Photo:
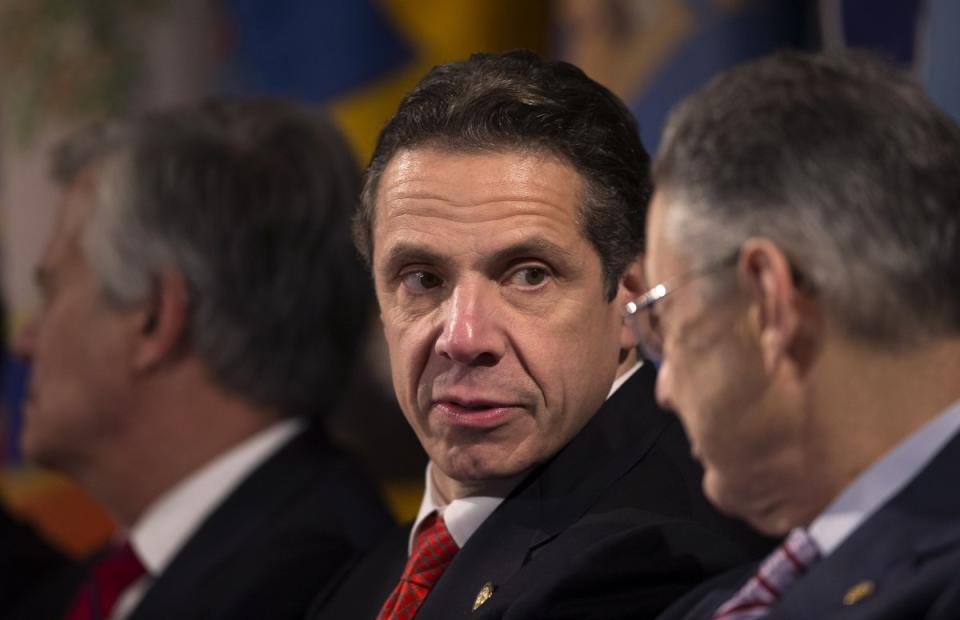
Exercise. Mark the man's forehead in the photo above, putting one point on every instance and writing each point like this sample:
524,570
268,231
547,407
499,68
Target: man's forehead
79,197
477,201
496,251
661,255
470,176
75,207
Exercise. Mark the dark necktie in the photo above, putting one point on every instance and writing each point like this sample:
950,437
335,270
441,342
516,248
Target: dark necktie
777,573
433,549
108,578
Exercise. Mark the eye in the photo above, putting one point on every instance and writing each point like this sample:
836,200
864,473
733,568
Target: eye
530,277
420,282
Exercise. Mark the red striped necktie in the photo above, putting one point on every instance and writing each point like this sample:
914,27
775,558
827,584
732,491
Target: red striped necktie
433,549
108,578
777,573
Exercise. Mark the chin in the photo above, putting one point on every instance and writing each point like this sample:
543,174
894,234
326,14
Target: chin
767,513
44,445
36,452
481,463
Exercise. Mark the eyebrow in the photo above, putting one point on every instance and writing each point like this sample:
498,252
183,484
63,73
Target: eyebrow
536,245
409,253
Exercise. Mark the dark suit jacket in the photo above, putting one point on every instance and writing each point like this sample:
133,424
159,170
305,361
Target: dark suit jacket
266,551
614,526
904,561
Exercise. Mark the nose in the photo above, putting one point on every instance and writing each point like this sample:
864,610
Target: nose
471,332
23,343
663,388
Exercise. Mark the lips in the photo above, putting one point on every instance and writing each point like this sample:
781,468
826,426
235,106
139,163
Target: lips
474,412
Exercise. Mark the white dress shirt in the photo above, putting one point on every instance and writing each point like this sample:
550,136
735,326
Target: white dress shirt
170,520
882,480
464,516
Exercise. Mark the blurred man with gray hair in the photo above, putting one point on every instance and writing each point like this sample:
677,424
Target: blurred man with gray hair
805,233
201,303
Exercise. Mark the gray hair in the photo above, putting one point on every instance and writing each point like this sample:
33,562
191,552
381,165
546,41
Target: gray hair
250,201
845,164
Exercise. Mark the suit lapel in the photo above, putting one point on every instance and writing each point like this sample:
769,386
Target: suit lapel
615,440
883,558
552,498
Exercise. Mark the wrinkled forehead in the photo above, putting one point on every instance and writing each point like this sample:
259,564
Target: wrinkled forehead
474,169
477,193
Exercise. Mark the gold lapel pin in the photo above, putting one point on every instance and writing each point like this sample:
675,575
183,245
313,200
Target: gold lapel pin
858,592
483,595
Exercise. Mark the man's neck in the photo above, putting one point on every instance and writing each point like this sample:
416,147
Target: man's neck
872,400
628,359
164,442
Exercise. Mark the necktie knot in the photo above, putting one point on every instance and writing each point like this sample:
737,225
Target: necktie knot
108,578
778,572
433,550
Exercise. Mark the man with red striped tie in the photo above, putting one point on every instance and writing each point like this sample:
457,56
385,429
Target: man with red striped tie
804,243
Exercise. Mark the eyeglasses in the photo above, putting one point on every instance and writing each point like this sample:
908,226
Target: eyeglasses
650,340
658,292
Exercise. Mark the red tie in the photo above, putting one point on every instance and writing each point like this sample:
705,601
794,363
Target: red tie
433,549
108,578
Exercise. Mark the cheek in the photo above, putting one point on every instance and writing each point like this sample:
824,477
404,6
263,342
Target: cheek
59,351
73,377
574,383
85,348
697,386
409,352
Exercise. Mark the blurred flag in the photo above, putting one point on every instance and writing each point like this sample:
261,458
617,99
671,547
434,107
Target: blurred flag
361,57
14,378
939,50
888,27
919,35
312,49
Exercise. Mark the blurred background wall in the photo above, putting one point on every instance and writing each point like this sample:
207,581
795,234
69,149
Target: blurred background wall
65,62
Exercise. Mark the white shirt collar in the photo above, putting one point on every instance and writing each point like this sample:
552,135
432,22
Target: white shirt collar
882,480
174,516
619,381
464,516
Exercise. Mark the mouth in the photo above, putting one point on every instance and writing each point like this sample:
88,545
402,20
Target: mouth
475,413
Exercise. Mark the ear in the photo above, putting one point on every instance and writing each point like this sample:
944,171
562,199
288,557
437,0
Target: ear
633,284
777,311
163,324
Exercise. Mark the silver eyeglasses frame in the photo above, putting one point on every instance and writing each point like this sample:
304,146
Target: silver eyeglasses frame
661,290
